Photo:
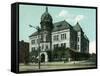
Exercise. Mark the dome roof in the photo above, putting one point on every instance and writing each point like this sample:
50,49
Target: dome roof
46,16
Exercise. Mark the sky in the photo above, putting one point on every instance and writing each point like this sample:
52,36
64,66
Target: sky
31,15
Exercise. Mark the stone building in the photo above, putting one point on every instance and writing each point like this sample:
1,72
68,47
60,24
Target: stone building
55,35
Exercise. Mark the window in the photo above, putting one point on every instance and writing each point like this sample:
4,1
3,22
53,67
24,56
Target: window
78,47
33,48
63,45
47,37
46,46
56,37
42,46
78,39
41,39
33,42
38,41
56,46
63,36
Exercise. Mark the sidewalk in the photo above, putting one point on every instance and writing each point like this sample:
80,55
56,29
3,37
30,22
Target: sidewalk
62,63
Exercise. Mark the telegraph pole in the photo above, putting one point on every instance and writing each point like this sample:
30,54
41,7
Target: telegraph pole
38,30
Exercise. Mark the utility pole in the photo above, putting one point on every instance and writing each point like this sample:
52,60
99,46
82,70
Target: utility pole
38,30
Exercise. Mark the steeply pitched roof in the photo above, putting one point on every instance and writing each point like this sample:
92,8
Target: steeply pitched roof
46,16
77,27
61,26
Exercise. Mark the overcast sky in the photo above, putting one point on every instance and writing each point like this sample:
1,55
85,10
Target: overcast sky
29,14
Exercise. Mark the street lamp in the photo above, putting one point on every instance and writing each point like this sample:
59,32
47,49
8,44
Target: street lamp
38,30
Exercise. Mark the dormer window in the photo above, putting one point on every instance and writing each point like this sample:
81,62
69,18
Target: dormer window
59,25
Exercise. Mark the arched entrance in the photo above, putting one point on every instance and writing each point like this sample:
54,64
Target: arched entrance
44,57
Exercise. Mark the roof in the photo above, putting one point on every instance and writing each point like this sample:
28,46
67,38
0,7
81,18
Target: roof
57,27
46,16
23,42
77,27
34,34
86,37
61,26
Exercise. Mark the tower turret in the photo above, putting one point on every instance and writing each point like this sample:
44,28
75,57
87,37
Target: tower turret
46,20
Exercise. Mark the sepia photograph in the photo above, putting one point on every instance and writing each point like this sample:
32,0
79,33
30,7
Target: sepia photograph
57,37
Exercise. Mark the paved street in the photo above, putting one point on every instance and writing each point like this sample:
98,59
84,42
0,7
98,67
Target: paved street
56,65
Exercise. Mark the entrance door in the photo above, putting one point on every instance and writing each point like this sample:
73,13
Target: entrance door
42,58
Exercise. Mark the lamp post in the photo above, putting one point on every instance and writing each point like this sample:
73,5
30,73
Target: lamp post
38,30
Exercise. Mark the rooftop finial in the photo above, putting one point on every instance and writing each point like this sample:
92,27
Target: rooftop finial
46,9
